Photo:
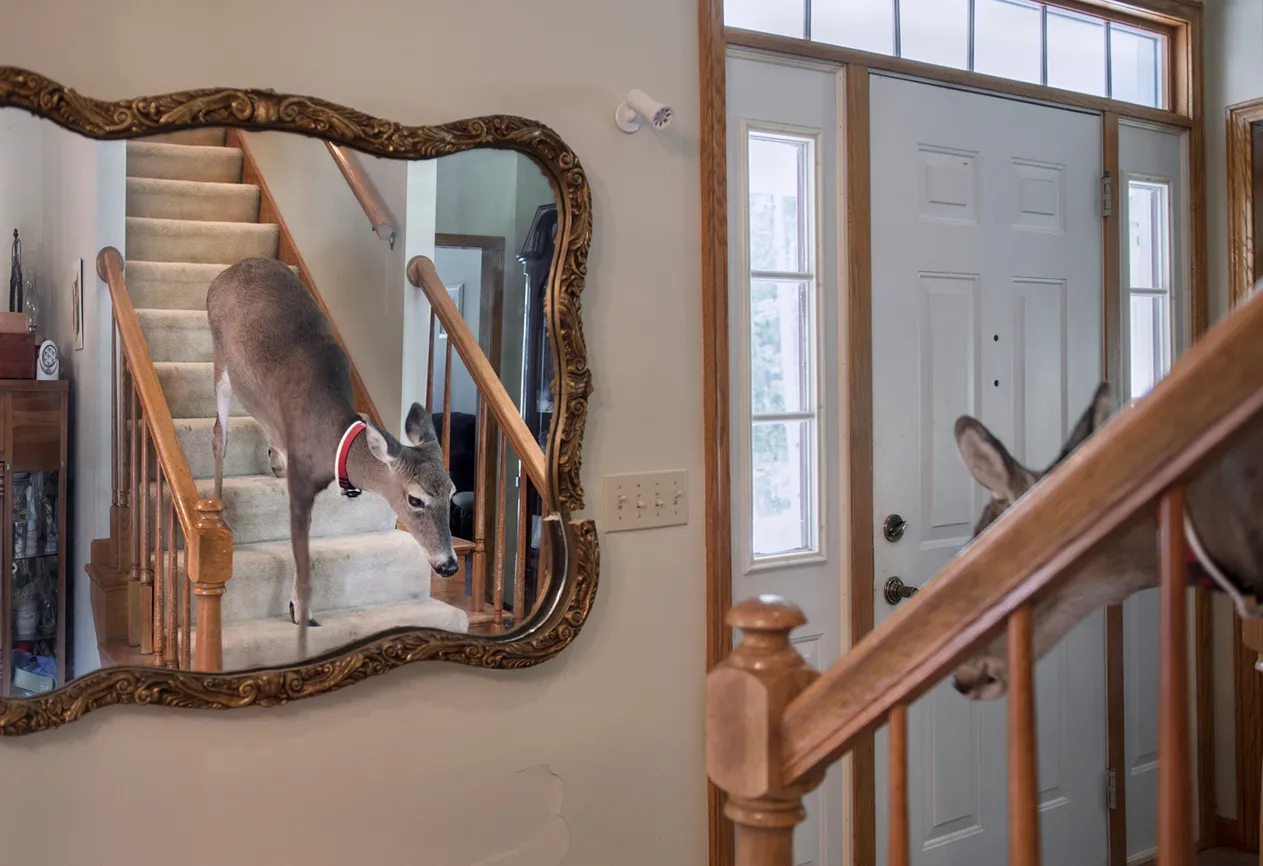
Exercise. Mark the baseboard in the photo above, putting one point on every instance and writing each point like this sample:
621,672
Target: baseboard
1227,833
1143,858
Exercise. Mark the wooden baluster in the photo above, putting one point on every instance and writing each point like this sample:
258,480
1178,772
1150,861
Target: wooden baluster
116,480
133,534
146,566
173,590
519,572
429,367
159,583
211,559
447,407
898,827
746,696
501,508
1175,836
1023,764
478,576
186,609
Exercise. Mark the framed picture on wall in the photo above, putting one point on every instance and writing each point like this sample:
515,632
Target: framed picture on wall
76,302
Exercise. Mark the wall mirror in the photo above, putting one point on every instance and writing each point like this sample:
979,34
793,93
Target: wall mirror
449,262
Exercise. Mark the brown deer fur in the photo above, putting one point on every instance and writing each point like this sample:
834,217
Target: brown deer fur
274,349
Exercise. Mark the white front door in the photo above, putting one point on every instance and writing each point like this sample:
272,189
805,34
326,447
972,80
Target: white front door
783,325
1152,204
987,300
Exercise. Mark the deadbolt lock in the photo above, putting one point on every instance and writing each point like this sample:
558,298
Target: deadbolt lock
896,591
892,528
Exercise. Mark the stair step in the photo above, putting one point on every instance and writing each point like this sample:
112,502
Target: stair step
177,335
210,136
171,285
190,389
257,509
247,447
361,570
192,200
274,641
216,164
199,242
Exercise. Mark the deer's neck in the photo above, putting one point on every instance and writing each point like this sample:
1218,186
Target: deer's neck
363,469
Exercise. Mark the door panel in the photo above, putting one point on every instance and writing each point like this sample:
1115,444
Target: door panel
800,101
986,300
1152,157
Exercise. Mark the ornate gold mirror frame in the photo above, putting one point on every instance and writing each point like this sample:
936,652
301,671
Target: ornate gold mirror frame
568,601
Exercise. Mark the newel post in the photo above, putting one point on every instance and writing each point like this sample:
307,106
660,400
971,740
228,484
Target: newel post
746,696
211,556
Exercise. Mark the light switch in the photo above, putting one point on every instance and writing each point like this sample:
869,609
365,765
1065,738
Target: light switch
646,500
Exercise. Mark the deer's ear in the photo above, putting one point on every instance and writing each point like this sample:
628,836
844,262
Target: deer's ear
419,426
1092,419
990,462
382,445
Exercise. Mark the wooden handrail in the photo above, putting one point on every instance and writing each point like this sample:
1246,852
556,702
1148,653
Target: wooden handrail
1115,478
160,426
373,206
421,273
208,538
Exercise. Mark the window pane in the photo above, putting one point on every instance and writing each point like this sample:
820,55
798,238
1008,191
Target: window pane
781,498
782,17
1136,67
1147,236
778,344
935,31
1076,52
778,203
1150,337
868,25
1008,39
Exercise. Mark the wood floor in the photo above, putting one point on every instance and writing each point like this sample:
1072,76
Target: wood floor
1226,857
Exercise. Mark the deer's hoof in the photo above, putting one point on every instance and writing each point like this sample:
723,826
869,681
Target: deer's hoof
293,617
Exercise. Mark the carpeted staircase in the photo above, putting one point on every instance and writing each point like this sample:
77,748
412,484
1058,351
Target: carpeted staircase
188,217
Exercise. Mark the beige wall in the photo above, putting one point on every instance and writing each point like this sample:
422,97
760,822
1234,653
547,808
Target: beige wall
1234,72
358,276
593,759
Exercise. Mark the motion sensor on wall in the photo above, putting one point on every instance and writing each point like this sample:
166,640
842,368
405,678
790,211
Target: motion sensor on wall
628,114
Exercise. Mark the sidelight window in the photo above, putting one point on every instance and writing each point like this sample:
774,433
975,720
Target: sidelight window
781,279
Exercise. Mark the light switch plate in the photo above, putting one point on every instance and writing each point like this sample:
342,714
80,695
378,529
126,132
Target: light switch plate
646,500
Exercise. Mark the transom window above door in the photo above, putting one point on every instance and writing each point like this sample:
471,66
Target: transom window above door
1021,40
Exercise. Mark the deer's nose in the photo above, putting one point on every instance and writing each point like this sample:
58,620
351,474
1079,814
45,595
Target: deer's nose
448,568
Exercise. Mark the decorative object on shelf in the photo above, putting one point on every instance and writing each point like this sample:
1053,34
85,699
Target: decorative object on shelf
76,302
49,364
15,276
30,300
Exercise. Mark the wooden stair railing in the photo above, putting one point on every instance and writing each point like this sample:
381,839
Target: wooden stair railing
158,511
773,726
372,204
500,421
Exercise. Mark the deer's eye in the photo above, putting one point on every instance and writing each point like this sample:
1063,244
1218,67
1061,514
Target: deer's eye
414,502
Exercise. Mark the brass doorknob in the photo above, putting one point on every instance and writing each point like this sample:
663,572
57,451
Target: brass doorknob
892,527
896,591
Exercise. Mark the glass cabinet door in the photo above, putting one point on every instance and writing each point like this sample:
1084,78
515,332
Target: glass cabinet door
34,605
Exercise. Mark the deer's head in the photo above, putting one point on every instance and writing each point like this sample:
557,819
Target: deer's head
418,486
985,676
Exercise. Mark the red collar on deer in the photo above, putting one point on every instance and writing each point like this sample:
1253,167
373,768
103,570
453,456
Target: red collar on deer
1205,572
339,459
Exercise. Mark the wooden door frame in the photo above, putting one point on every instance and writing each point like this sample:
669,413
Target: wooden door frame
1243,831
1182,21
490,329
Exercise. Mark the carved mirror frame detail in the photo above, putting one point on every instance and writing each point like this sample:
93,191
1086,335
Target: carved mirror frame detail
565,608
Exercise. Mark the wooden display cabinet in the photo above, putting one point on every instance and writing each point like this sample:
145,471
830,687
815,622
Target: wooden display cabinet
34,420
